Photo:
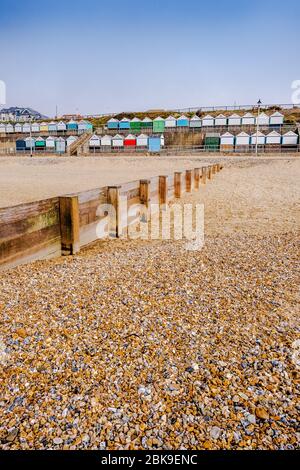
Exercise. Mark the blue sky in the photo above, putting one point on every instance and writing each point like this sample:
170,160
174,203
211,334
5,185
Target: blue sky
94,57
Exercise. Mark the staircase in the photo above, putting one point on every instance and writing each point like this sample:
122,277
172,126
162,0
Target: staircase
73,149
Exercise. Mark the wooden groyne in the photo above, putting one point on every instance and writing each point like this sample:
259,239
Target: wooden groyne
63,225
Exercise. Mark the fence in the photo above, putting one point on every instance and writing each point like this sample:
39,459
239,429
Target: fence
63,225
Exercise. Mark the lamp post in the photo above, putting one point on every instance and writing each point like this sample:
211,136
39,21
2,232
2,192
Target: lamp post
257,126
30,135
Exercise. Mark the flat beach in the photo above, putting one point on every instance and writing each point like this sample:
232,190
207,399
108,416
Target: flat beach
144,344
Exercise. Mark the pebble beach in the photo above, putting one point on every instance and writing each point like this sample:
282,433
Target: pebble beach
147,345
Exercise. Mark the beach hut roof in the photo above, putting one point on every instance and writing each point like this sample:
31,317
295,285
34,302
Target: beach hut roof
235,116
130,136
220,116
159,118
248,115
277,114
72,121
29,138
274,133
243,134
143,136
135,119
50,138
94,137
259,134
52,122
208,116
113,120
40,139
118,136
227,134
147,119
182,117
106,136
60,139
263,114
125,119
290,133
195,118
171,118
61,122
72,137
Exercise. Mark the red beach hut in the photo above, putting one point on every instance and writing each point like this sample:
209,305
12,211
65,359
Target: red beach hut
130,141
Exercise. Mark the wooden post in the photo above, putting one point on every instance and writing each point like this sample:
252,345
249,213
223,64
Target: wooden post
115,217
177,184
204,174
197,178
188,181
69,225
145,196
163,190
213,169
209,172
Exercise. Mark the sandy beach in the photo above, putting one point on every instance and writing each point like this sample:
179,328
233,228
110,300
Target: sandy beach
146,345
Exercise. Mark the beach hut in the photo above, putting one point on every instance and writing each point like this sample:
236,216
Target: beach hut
142,141
183,121
158,124
154,144
234,120
18,128
227,142
170,122
35,127
195,121
71,140
29,143
290,138
84,126
124,123
221,120
117,141
44,127
263,119
9,129
2,128
26,128
130,141
61,126
60,145
135,124
212,141
146,123
40,143
52,127
50,143
208,121
162,140
242,139
248,119
242,142
276,119
261,138
106,141
112,123
20,145
72,125
94,142
273,138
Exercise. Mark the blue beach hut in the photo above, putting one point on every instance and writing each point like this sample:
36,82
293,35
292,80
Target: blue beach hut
113,124
183,121
124,123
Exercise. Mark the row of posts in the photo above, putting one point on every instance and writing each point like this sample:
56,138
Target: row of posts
69,205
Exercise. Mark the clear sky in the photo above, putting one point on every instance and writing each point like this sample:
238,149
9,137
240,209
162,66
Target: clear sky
96,56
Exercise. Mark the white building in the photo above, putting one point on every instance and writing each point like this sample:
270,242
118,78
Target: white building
221,120
242,139
263,119
94,141
208,121
170,122
195,121
261,138
276,119
273,138
142,140
106,141
290,138
227,139
234,120
248,120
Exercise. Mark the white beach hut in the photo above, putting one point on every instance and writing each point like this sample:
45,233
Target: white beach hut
263,119
208,121
61,126
276,119
29,142
248,119
162,140
221,120
2,128
142,140
50,143
170,122
242,139
106,141
9,129
273,138
227,142
35,127
234,120
94,141
18,128
26,128
117,141
261,138
195,121
290,138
